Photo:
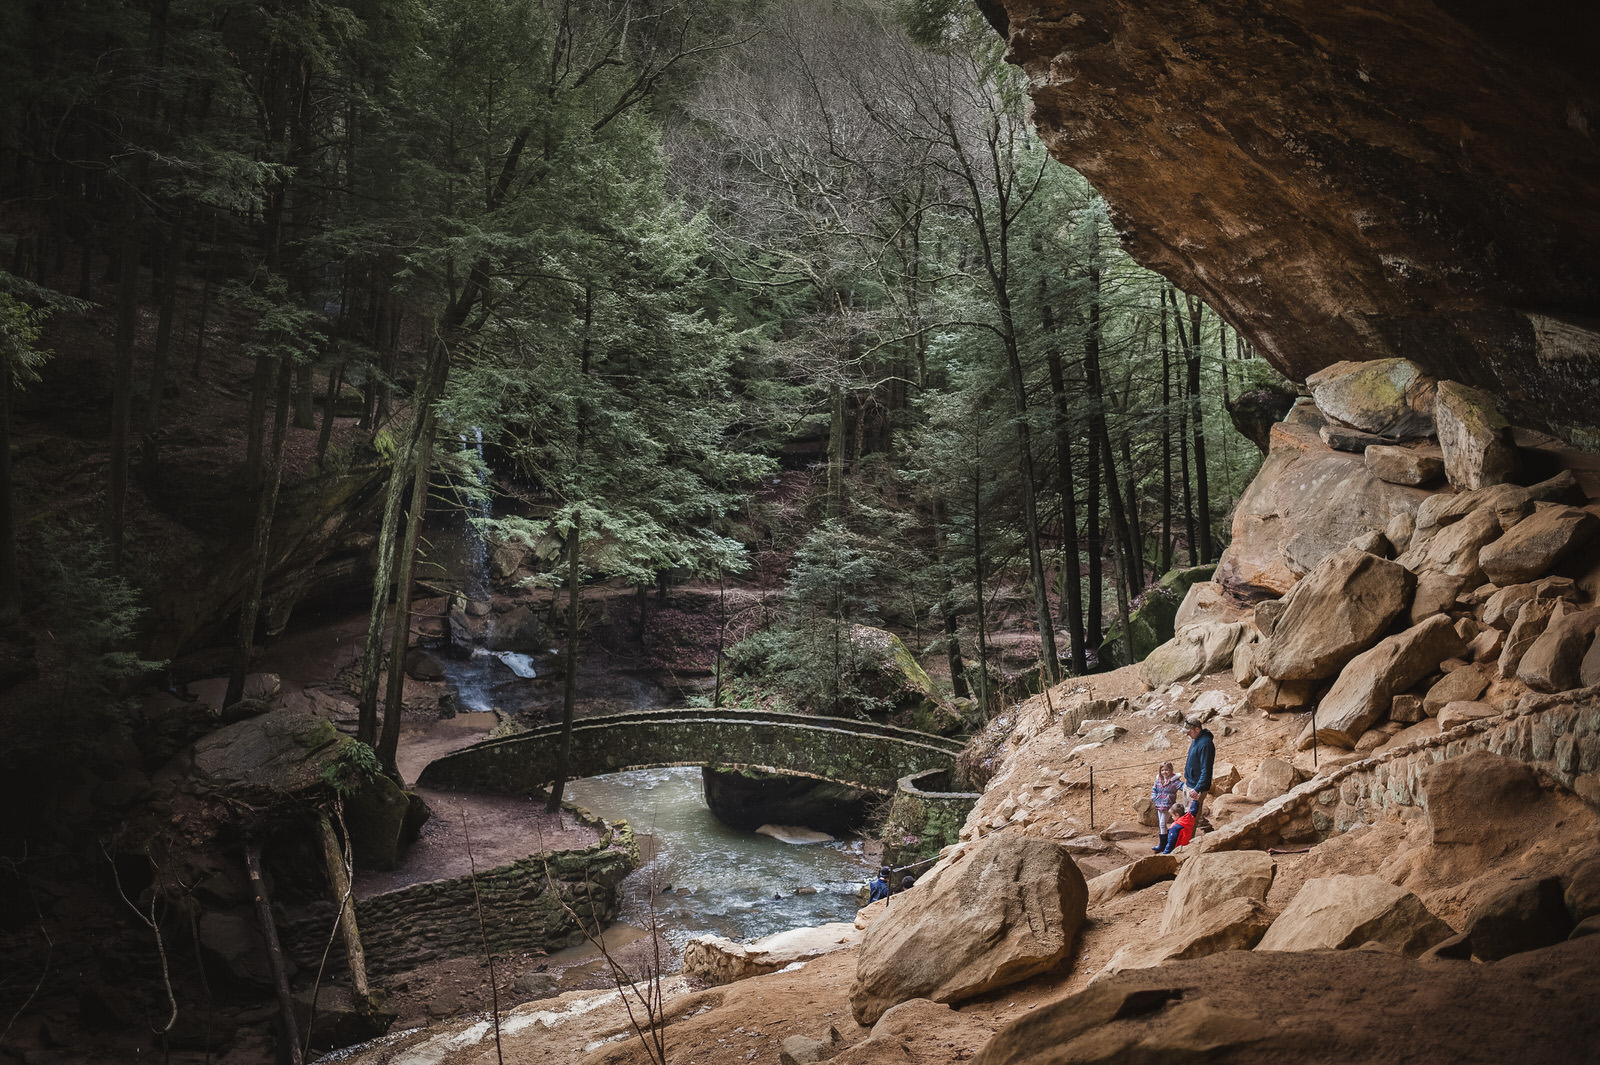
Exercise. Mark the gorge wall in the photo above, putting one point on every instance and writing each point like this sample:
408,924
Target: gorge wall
1350,181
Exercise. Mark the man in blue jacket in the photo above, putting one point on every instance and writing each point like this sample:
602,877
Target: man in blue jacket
1197,767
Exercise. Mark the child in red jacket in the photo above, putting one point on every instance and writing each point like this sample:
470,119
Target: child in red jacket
1181,832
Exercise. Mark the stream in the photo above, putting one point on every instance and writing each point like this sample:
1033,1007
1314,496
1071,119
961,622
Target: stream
704,877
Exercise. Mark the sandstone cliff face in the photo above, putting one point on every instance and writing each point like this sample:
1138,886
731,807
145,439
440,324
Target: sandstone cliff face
1349,181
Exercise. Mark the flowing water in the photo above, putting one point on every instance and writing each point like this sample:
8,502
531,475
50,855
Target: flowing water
706,877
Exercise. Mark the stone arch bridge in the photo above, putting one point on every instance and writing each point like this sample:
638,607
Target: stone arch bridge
861,754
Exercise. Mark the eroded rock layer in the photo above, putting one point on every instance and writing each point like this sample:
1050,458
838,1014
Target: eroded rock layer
1349,181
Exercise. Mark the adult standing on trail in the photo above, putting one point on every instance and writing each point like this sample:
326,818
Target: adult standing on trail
1197,767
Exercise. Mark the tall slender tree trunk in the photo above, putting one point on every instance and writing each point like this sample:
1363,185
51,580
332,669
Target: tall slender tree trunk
266,505
122,375
836,433
569,679
1094,546
329,407
333,859
1166,444
1121,536
980,594
400,476
947,611
1191,527
1071,554
163,345
400,628
1197,422
569,676
10,595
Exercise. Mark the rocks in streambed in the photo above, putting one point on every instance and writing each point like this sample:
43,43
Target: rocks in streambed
1008,907
716,960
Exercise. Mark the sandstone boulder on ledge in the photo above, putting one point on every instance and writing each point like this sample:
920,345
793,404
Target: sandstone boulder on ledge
1344,912
1339,610
1390,397
1009,907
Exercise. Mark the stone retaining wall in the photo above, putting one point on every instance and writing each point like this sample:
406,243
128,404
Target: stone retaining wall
525,906
921,822
1558,735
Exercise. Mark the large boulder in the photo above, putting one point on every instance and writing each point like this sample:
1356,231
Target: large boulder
1458,685
1209,879
1391,397
1553,662
1475,437
1446,563
1500,609
1358,1007
746,799
1341,912
292,757
1008,907
1302,506
1405,465
1457,792
1533,618
517,629
1370,681
1273,777
1237,923
1337,612
1526,915
1538,543
1205,647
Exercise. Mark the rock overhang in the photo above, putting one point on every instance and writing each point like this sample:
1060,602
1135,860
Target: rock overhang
1350,181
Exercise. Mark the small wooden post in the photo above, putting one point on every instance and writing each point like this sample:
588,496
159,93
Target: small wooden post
1091,796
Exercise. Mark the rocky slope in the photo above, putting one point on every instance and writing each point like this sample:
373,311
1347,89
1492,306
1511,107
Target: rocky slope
1402,853
1348,180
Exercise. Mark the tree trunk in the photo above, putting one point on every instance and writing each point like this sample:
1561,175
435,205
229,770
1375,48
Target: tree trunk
269,934
400,628
569,677
266,504
1166,444
1071,560
1197,422
333,859
400,475
158,361
325,434
1121,535
10,597
1191,529
836,431
122,376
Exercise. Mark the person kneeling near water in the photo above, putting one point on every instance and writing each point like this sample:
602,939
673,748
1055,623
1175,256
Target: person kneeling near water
878,886
1180,832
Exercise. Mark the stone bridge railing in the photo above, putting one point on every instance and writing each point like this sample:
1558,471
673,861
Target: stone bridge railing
861,754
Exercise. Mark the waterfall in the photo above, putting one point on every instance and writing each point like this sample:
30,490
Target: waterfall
476,578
